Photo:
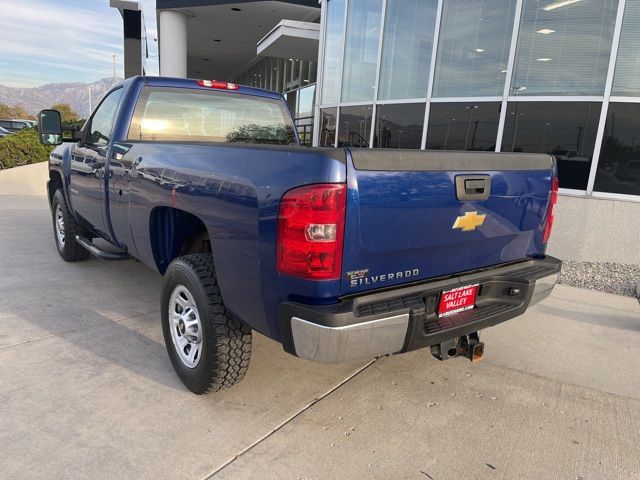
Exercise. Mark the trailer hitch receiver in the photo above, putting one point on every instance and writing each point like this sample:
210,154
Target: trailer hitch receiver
468,346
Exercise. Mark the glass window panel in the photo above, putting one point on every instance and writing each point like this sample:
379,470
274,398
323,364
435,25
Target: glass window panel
328,127
399,126
355,126
406,50
293,81
627,77
305,130
334,38
313,72
292,101
180,114
101,124
305,101
463,126
564,47
564,129
361,50
473,49
619,164
304,73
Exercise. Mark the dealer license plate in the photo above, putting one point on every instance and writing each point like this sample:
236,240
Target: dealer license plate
457,300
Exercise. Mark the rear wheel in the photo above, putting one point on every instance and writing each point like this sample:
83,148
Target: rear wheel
209,349
65,229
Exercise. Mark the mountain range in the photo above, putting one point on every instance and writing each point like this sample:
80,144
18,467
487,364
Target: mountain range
76,94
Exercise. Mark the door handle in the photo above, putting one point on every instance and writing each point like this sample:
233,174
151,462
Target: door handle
473,187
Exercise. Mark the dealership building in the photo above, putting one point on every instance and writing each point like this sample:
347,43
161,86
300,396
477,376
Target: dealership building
551,76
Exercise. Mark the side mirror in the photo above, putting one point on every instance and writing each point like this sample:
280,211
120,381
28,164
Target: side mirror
50,127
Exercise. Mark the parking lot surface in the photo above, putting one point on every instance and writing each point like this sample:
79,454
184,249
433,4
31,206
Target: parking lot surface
87,389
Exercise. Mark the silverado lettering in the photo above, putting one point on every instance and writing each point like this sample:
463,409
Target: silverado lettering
354,282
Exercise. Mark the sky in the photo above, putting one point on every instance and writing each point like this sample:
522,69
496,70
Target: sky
50,41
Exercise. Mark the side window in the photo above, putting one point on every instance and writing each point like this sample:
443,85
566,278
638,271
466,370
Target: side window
101,124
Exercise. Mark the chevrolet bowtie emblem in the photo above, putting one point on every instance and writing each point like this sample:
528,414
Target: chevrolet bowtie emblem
469,221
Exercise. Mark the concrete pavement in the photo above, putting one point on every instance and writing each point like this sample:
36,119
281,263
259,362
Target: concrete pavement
87,390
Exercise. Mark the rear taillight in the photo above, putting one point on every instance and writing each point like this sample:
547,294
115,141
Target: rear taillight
311,231
552,202
217,84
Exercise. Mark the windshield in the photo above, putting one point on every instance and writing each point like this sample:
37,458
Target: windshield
176,114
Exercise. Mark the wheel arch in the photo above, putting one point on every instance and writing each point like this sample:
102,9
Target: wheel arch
175,232
55,183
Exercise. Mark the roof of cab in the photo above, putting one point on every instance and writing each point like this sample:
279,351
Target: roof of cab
192,83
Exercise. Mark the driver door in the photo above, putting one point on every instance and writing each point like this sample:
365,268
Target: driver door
87,166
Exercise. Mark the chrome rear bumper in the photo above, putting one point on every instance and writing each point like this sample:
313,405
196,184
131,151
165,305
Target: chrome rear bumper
352,342
543,288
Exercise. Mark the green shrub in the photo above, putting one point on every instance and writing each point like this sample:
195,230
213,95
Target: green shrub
22,148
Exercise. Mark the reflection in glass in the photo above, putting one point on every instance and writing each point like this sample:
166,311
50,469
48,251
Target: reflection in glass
50,138
409,26
50,121
361,50
305,101
399,126
564,47
473,49
333,51
101,123
355,126
619,164
564,129
627,77
328,127
177,114
292,100
463,126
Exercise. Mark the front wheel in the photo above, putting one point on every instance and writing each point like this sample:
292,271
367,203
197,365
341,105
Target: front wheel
65,229
209,350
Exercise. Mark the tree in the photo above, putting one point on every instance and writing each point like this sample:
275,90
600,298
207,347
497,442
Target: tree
9,112
67,114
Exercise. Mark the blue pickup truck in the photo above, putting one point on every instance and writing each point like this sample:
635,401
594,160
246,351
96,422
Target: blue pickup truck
337,253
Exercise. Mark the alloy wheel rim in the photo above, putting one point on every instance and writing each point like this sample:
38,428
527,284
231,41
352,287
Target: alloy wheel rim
59,222
185,325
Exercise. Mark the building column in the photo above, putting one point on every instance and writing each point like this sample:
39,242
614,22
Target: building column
133,54
173,43
133,29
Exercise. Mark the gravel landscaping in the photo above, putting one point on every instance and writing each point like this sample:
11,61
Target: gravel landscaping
618,278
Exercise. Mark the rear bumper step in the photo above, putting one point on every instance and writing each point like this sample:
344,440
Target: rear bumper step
406,319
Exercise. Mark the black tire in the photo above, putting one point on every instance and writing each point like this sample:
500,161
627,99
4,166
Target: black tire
225,350
69,249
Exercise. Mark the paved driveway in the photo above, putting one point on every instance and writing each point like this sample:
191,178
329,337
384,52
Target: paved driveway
87,390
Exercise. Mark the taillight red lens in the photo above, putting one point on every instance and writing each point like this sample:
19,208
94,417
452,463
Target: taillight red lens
552,202
311,231
217,84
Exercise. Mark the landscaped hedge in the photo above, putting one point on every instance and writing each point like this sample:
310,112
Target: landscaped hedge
22,148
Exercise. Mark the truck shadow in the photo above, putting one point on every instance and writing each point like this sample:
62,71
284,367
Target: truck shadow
114,333
107,326
110,310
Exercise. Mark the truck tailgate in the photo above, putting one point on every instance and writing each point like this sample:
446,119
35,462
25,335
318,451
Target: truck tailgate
407,220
